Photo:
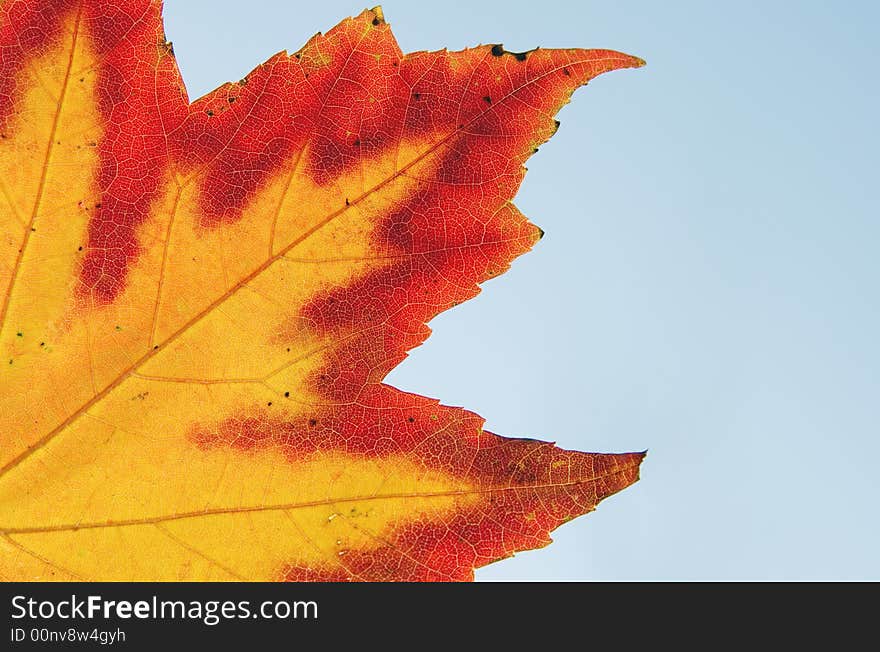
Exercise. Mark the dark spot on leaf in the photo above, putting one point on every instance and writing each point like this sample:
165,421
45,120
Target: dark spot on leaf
286,394
498,50
411,420
269,403
376,22
487,99
313,422
566,72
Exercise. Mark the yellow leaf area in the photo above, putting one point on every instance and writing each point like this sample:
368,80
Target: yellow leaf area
200,302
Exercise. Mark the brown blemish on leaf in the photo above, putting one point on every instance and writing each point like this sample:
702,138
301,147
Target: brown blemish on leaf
499,51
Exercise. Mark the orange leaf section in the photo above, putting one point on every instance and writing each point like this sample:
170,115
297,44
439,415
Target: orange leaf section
200,302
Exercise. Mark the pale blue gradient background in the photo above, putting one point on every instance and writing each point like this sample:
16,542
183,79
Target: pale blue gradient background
707,288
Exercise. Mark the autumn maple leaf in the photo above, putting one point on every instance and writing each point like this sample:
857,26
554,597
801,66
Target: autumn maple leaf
200,302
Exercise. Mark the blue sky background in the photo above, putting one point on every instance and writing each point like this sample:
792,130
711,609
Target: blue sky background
707,287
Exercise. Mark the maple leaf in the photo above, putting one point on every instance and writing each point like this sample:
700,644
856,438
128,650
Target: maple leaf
200,302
